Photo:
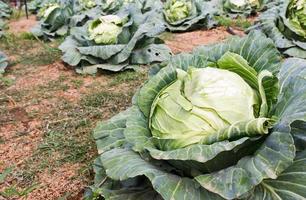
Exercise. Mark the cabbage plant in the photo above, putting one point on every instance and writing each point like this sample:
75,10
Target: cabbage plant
35,5
5,10
54,20
115,42
108,7
3,62
183,15
225,122
244,7
285,24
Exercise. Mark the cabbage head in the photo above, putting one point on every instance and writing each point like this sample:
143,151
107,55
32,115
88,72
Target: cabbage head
201,102
88,4
176,10
296,14
106,29
226,121
184,15
285,24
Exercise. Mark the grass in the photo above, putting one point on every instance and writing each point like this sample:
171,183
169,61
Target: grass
240,22
17,14
127,77
14,191
6,82
19,45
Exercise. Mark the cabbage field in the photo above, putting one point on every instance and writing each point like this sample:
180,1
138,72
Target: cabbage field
153,100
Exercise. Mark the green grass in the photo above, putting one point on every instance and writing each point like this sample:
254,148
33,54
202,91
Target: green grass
13,191
77,83
55,85
127,77
167,36
17,14
6,82
228,22
68,146
19,46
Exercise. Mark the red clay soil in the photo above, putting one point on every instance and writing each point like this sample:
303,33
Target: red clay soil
185,42
22,25
23,134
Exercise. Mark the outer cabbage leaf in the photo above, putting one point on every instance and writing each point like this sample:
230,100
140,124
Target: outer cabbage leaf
5,10
35,5
3,62
54,23
277,25
183,15
136,44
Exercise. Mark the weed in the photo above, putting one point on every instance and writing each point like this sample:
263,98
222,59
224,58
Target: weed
167,36
6,82
99,99
228,22
39,54
126,77
17,14
13,191
77,83
5,173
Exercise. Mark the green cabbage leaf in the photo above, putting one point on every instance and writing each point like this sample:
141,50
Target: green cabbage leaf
116,42
224,122
3,62
54,20
285,24
184,15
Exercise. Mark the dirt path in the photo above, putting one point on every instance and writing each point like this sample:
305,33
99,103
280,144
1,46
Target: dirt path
22,25
185,42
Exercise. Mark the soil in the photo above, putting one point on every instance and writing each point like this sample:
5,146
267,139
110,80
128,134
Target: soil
22,25
185,42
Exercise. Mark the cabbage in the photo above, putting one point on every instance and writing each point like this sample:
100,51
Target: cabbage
285,24
245,7
176,10
296,13
201,102
227,121
116,42
186,15
54,20
106,29
88,4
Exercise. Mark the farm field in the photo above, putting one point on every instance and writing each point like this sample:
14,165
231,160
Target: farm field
48,112
119,114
